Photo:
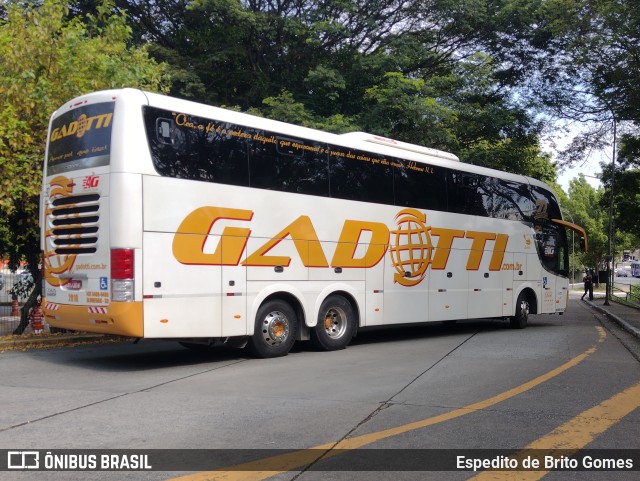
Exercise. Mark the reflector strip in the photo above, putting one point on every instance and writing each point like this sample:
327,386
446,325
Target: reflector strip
97,310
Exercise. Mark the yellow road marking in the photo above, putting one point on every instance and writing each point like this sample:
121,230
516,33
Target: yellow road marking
573,435
267,467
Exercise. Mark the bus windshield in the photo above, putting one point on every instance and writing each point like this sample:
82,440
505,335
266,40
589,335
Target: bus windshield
80,138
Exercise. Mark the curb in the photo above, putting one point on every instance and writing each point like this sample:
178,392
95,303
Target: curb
624,324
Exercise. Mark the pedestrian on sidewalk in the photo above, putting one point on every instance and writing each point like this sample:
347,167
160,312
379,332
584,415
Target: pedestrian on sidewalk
587,284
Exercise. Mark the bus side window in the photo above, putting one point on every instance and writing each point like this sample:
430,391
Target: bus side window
288,164
184,152
361,176
469,194
424,189
512,201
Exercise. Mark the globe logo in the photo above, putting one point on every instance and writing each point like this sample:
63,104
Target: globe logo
82,125
54,264
410,247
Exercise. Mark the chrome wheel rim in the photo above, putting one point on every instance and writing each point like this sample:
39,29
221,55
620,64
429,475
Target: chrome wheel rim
275,328
335,323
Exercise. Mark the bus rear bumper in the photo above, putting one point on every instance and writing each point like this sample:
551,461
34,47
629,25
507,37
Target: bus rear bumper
118,318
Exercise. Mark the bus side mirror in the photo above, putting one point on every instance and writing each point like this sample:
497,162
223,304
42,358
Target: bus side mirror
583,245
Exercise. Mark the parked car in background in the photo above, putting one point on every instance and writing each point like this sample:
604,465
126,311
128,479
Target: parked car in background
621,272
623,269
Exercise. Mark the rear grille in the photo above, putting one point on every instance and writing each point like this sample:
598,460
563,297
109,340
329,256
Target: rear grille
74,224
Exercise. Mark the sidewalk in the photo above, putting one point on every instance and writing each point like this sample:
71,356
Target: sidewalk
626,316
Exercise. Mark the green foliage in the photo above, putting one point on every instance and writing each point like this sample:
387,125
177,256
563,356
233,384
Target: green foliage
432,72
46,60
403,108
626,188
585,208
461,112
286,109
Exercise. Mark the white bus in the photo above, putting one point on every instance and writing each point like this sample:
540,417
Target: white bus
163,218
635,269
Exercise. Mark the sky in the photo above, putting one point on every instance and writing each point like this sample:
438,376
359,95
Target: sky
590,169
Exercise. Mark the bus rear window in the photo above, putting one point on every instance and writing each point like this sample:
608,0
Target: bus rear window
81,138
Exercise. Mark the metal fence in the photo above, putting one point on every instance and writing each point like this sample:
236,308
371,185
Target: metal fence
628,293
15,289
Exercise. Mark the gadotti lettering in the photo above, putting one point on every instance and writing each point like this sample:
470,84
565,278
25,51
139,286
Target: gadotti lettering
81,126
191,237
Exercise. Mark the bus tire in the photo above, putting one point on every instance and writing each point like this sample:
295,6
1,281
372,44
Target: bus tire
336,324
275,330
521,317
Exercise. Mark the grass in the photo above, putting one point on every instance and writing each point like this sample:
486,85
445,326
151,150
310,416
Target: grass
27,342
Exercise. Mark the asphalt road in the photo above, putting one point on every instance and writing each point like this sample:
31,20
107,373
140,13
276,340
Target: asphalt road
626,280
569,381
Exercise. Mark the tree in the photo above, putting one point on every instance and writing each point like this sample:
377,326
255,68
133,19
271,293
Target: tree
586,209
626,199
46,60
440,73
463,111
578,62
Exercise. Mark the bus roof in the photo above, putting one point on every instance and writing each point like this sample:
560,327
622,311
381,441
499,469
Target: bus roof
396,144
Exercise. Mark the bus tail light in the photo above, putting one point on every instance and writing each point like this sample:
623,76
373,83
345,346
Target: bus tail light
122,275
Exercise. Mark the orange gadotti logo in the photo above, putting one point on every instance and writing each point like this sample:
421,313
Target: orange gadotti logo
55,264
411,249
81,126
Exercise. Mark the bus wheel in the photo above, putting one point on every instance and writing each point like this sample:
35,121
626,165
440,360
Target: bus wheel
519,321
336,324
275,332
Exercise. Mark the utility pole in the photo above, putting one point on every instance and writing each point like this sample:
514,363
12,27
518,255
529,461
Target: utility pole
609,258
